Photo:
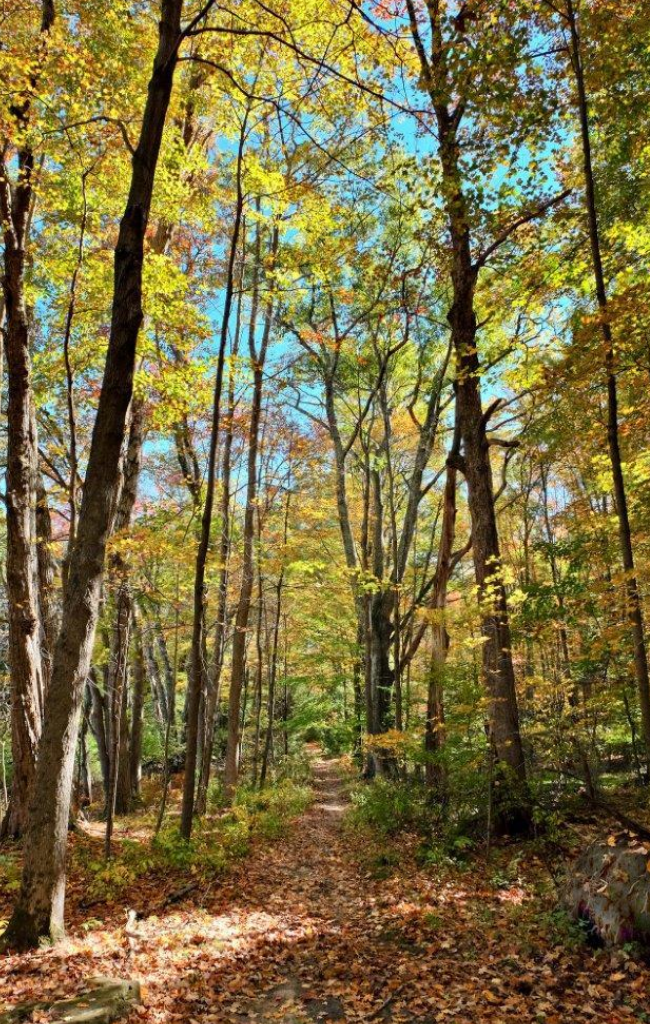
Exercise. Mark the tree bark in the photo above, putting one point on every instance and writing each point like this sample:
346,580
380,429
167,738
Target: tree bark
259,667
212,701
46,574
98,724
137,709
158,691
435,773
39,911
198,673
243,607
84,793
118,798
634,608
267,753
26,669
498,669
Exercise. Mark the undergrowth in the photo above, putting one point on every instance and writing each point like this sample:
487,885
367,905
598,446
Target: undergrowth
217,842
389,809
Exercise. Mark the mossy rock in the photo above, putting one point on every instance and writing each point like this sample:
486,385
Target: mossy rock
105,1000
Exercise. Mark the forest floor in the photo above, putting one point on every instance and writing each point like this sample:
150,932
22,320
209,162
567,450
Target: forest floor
325,925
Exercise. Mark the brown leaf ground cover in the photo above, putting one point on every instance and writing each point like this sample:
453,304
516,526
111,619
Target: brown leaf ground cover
306,928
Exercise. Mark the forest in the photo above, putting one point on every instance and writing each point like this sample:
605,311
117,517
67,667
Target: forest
325,572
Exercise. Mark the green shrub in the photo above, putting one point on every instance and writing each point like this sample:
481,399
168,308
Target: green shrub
295,767
451,847
337,737
215,844
389,807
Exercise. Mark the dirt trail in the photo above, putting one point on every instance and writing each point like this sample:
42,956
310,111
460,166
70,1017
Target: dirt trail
322,926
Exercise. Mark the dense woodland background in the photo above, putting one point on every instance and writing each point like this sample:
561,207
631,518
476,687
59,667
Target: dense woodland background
325,412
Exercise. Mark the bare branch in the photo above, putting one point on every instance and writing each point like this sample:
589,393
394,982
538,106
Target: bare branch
525,218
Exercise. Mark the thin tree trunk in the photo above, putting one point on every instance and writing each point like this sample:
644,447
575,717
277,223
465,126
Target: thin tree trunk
123,795
286,702
259,669
84,779
70,398
39,911
198,674
5,796
158,690
168,686
565,658
212,702
137,709
435,773
381,621
98,720
168,730
273,667
46,574
243,608
119,791
634,608
116,686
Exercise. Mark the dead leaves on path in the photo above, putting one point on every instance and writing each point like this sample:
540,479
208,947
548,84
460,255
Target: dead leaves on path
302,932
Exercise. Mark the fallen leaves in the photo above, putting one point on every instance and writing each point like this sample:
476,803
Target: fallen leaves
300,932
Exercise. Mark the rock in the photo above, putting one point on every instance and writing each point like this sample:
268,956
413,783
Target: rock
608,888
106,1000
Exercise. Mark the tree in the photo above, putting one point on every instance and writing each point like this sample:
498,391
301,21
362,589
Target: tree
39,908
635,610
448,85
25,615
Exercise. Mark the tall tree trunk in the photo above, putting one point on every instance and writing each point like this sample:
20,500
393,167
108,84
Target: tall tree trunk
158,689
273,666
198,674
498,669
84,793
259,669
168,685
26,669
46,574
435,773
381,610
634,608
360,598
243,608
123,795
119,794
115,688
381,620
212,702
39,911
98,721
286,697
